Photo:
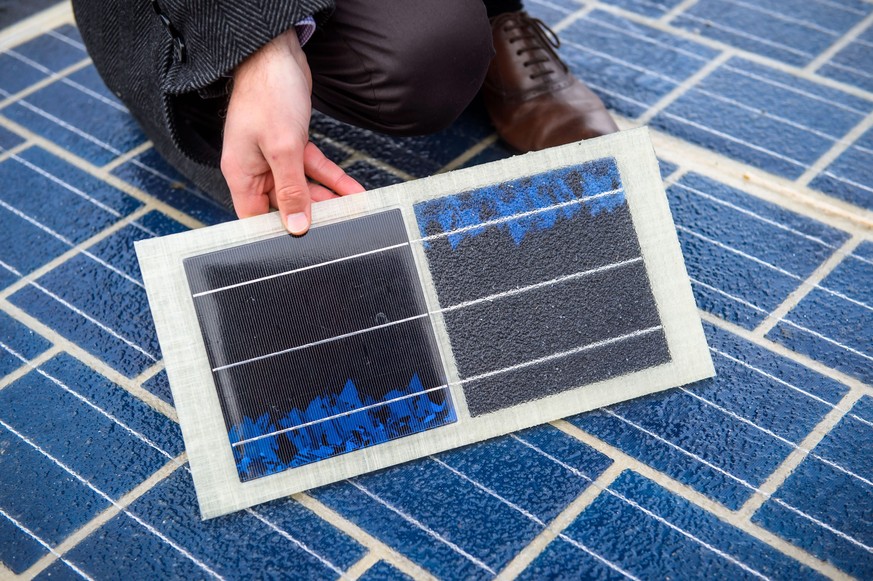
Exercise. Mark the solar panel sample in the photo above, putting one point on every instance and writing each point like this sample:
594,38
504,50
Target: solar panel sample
319,345
542,285
421,317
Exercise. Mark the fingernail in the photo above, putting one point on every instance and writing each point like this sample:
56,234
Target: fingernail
297,223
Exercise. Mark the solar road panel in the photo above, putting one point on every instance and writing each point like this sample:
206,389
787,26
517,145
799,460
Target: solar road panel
421,317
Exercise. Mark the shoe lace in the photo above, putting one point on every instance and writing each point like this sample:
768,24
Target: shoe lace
542,49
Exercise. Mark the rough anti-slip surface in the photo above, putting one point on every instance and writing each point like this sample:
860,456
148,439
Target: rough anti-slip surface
761,116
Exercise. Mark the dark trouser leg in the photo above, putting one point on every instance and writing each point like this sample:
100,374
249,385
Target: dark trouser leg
398,66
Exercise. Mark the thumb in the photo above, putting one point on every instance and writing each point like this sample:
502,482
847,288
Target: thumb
292,193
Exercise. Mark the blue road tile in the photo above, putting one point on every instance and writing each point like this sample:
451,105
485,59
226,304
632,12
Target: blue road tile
852,65
850,176
712,450
33,61
139,417
62,197
551,11
18,550
382,571
8,140
159,385
17,258
744,255
150,173
780,29
148,556
115,326
237,545
118,250
42,497
641,528
760,117
89,205
372,177
95,428
17,340
80,116
666,168
417,507
515,471
56,49
821,506
629,65
321,537
418,156
834,322
650,8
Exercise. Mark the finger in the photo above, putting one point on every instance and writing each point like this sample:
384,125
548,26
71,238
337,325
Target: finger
290,186
326,172
319,193
248,192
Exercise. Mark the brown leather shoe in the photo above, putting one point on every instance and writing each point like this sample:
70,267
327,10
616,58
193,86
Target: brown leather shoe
531,96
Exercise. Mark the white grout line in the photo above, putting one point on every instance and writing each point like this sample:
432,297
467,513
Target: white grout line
746,35
751,214
733,139
826,338
796,90
64,80
430,532
647,512
286,535
555,7
138,435
839,44
737,479
110,500
67,186
849,141
71,128
852,70
535,519
673,12
66,39
734,298
812,282
94,321
361,566
784,17
733,250
103,517
624,63
718,45
790,386
786,441
45,545
648,40
684,88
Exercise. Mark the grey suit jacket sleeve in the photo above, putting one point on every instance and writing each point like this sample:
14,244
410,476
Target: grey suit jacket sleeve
169,61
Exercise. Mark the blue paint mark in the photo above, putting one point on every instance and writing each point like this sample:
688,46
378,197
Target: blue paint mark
529,194
324,438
